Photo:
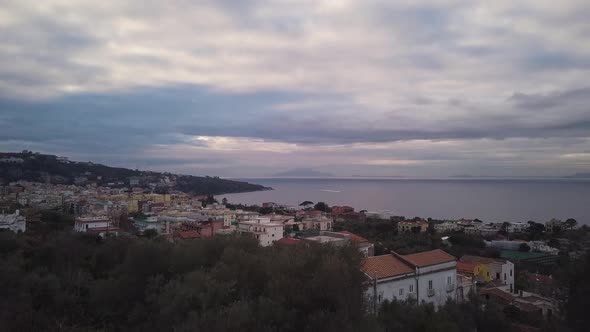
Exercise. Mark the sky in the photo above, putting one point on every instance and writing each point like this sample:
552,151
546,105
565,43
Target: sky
253,88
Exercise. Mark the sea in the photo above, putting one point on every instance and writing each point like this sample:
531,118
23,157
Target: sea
490,200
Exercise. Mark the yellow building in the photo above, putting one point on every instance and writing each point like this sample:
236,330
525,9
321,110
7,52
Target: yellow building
480,272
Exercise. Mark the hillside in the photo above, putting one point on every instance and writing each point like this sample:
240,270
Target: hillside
37,167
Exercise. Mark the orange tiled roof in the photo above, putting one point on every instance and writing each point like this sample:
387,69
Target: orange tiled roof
427,258
384,266
189,235
466,267
354,238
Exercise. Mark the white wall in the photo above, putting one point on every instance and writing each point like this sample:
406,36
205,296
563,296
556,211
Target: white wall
439,284
509,280
390,289
81,227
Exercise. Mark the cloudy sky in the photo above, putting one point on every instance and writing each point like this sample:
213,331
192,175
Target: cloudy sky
251,88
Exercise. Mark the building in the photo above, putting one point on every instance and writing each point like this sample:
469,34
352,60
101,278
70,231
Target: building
530,304
366,248
517,227
410,226
477,271
150,222
134,181
317,223
13,222
465,285
262,229
499,269
333,238
338,210
446,227
428,277
100,225
553,225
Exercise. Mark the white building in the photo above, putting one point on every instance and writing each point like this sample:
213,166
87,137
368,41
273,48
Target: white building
151,222
553,225
517,227
500,269
429,277
14,222
100,225
265,232
446,227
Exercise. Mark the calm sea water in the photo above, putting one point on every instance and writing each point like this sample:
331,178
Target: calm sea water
489,200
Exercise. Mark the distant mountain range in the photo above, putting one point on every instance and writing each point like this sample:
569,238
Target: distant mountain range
303,172
45,168
574,176
579,176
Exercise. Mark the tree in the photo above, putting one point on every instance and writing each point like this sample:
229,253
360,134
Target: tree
305,204
571,223
210,199
504,227
224,201
150,233
321,206
535,230
524,247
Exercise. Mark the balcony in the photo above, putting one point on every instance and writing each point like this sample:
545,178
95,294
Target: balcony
450,287
430,292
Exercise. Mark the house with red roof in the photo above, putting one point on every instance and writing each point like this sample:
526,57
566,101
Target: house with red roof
428,277
100,225
501,270
365,247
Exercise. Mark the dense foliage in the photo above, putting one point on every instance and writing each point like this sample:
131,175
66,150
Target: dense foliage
47,168
81,283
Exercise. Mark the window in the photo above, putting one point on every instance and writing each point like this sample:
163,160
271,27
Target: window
401,292
504,276
497,275
411,288
449,280
429,284
511,273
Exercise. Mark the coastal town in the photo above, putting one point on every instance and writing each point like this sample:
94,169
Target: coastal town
510,266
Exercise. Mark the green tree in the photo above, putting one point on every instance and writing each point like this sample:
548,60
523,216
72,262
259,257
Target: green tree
305,204
150,233
321,206
571,223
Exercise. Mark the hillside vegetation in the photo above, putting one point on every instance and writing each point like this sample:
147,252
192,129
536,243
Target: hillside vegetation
37,167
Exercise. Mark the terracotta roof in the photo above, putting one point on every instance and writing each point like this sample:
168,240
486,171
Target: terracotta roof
527,307
189,235
482,260
384,266
428,258
539,278
288,241
505,297
466,267
354,238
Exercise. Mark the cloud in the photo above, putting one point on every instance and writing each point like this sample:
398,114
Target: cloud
219,84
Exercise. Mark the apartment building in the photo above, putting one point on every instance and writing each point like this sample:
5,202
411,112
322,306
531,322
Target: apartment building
428,277
262,229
